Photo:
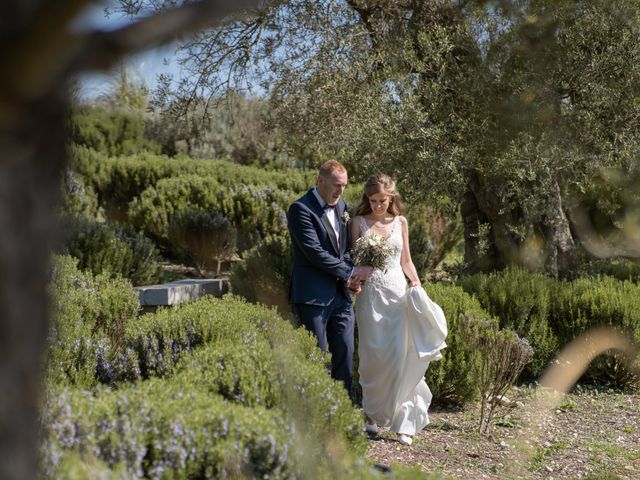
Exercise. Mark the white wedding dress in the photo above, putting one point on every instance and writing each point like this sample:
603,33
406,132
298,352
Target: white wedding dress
400,331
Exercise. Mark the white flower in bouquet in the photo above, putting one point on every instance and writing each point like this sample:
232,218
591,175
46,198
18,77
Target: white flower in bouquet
372,250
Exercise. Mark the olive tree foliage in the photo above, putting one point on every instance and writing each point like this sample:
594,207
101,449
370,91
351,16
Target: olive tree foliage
40,53
512,109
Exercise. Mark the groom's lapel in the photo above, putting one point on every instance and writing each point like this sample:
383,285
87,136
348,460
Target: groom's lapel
343,228
324,219
330,231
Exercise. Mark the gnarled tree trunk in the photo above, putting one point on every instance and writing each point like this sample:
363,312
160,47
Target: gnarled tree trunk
490,242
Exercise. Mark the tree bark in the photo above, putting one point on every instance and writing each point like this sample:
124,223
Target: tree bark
39,53
31,157
560,247
490,243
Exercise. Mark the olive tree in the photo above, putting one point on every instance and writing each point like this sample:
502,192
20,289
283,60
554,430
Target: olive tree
510,109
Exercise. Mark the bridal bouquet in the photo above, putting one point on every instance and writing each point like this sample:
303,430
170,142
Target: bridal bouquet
372,250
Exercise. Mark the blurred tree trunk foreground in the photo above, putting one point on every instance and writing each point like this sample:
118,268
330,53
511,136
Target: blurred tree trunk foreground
39,55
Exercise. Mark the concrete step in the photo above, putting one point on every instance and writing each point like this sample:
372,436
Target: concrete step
181,291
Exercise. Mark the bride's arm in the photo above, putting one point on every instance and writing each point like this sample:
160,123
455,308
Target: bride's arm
354,233
354,230
408,267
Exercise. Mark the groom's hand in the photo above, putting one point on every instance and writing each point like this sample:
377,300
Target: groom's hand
354,287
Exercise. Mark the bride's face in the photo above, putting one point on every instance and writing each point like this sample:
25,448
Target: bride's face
379,203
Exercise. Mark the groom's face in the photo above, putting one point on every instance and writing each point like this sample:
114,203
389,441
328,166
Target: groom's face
332,187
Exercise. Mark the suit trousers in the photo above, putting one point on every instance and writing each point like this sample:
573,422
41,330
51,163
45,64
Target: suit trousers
333,326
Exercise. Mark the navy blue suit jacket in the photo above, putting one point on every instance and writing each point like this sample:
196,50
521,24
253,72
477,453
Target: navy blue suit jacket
320,266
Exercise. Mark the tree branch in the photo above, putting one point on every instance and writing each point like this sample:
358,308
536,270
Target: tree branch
47,52
102,49
31,57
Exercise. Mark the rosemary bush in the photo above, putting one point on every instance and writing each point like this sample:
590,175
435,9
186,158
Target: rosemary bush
114,249
522,302
499,355
452,379
552,313
208,239
264,273
255,212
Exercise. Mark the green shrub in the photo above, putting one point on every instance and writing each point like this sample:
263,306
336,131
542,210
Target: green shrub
352,194
499,355
253,399
111,131
451,379
551,313
160,430
589,302
276,377
112,248
248,376
73,466
521,301
160,339
77,199
90,317
254,211
620,268
422,250
263,274
208,239
165,429
119,180
244,394
93,340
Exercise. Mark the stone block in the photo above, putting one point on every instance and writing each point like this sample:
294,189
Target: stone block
181,291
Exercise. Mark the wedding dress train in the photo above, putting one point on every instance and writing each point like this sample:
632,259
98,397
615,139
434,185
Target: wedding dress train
400,331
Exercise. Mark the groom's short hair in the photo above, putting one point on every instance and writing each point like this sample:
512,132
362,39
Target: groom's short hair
330,166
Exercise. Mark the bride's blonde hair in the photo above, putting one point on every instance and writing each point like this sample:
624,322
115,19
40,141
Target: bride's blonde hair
380,183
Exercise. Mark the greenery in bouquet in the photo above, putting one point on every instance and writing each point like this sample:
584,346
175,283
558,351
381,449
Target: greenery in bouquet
372,250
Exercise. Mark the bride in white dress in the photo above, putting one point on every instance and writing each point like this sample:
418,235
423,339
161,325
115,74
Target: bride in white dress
399,329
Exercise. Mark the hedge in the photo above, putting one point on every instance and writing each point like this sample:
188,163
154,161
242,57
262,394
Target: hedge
552,313
451,379
111,248
588,302
162,429
109,130
159,429
522,302
264,272
255,211
222,388
96,337
118,180
90,316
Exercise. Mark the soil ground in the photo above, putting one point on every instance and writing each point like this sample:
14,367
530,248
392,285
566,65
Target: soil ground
588,434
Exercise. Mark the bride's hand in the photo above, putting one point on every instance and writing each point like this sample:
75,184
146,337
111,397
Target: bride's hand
414,283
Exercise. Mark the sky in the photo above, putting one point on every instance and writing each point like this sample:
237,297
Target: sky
141,68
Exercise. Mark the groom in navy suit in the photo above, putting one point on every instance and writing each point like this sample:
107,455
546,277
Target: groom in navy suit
323,272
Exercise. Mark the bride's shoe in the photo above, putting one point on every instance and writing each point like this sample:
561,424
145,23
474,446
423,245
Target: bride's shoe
404,439
370,427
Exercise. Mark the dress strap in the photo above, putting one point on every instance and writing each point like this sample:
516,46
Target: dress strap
394,227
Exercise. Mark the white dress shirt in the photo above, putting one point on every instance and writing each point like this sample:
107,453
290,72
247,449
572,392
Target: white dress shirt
332,215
